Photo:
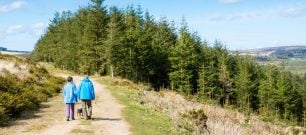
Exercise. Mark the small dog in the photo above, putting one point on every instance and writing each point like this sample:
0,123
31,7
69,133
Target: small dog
80,112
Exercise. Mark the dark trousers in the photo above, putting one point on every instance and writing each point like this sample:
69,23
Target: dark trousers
87,108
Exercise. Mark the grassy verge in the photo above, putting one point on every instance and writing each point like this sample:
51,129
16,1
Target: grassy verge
143,121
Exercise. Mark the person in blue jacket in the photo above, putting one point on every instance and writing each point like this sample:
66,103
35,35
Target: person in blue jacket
70,98
86,93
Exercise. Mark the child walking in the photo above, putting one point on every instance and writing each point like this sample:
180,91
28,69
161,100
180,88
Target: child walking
70,98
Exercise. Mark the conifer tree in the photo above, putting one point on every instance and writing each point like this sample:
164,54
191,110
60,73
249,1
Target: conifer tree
225,80
115,51
184,58
163,37
246,84
92,45
208,75
133,23
267,89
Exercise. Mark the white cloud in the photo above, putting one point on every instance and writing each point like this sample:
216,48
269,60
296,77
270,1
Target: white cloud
292,11
229,1
32,30
272,13
12,6
236,16
16,29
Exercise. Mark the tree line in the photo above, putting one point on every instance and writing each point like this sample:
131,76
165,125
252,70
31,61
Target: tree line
132,44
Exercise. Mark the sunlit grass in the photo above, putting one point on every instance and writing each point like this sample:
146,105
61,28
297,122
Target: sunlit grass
85,122
52,69
37,127
81,131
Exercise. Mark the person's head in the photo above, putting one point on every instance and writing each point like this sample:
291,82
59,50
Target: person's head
69,79
85,74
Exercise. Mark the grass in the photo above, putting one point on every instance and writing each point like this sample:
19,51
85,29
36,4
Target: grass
297,70
143,121
37,127
295,66
52,69
85,122
81,131
298,62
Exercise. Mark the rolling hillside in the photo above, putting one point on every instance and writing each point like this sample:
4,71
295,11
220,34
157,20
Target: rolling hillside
25,54
278,52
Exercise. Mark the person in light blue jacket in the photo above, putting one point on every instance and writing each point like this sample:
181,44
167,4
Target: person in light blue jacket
86,93
70,98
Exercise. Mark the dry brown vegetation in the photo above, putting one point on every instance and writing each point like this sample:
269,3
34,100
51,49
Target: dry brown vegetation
12,65
219,121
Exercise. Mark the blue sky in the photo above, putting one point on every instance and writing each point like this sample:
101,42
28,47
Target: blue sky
240,24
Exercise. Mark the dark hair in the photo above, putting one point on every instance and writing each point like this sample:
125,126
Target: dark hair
69,79
85,73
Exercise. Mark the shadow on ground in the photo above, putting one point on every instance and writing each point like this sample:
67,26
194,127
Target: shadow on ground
27,114
107,119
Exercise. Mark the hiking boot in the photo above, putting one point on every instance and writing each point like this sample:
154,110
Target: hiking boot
67,119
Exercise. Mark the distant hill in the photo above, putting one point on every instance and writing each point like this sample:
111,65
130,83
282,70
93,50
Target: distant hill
279,52
4,50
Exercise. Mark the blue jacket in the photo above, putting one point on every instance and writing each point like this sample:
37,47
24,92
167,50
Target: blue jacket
86,89
70,93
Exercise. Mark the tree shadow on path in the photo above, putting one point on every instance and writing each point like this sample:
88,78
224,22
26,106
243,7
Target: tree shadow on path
106,119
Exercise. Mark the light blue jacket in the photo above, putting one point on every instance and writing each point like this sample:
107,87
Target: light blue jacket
86,90
70,93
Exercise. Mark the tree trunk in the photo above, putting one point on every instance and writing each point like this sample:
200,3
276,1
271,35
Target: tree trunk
112,71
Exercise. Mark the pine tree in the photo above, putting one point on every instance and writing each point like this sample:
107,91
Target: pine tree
289,102
282,85
92,46
225,80
267,89
115,43
208,75
163,37
143,50
246,85
184,59
133,22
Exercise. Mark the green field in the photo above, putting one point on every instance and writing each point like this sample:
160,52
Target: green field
296,66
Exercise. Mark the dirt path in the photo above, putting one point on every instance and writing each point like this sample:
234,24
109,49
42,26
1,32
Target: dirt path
50,119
